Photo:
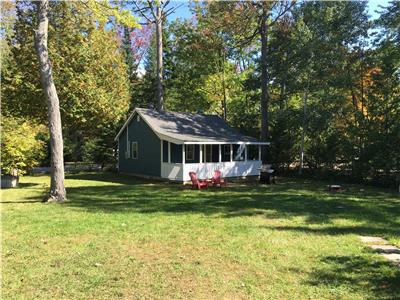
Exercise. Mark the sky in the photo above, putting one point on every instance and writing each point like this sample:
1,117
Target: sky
183,10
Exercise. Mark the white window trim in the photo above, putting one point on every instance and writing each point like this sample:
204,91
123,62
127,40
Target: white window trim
135,145
191,151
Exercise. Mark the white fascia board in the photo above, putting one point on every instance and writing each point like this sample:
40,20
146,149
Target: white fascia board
227,143
160,135
125,125
168,138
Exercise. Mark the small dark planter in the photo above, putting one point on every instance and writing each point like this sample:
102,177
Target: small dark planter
9,181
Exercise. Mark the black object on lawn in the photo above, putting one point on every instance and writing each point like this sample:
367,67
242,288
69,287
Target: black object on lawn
266,173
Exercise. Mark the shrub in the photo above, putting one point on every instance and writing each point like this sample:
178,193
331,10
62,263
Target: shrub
22,145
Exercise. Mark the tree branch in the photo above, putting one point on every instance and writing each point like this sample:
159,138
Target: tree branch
284,10
165,5
152,9
141,11
171,10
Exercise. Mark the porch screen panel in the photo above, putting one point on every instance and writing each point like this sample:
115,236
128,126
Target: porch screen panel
225,152
210,153
196,158
207,153
238,152
215,153
165,151
176,153
252,152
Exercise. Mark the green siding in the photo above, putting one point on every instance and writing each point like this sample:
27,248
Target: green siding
148,162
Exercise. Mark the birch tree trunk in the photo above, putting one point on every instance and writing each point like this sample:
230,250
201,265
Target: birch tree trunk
223,88
264,78
303,132
160,92
57,188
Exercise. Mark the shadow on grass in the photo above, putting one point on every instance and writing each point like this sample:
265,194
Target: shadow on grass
379,210
111,178
373,229
380,278
22,202
27,184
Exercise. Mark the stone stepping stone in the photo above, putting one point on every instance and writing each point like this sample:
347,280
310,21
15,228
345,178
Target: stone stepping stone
373,240
388,249
380,245
393,257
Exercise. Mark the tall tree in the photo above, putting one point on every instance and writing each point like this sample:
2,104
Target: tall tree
248,21
57,187
156,12
88,70
159,42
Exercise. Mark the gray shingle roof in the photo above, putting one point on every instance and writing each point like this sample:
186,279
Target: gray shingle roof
189,127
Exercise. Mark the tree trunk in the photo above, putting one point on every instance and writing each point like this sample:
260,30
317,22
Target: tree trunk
303,132
160,93
57,188
223,87
264,78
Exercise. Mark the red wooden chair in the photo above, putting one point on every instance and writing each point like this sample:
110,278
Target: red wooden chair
217,180
197,183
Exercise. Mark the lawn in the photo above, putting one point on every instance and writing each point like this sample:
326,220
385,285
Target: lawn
120,237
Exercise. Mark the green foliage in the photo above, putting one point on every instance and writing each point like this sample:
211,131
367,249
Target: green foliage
22,145
89,71
104,11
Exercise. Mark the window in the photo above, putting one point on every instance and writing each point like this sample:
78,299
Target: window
189,152
137,118
135,150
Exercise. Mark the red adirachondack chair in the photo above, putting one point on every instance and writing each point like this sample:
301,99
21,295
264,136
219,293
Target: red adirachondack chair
217,180
196,183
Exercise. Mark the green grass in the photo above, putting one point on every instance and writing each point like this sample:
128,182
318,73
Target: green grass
120,237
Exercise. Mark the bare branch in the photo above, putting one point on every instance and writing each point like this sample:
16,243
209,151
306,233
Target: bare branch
141,11
152,9
165,5
171,10
285,9
245,41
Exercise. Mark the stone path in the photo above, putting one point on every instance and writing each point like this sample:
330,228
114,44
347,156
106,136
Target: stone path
382,246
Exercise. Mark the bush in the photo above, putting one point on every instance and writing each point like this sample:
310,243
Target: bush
22,145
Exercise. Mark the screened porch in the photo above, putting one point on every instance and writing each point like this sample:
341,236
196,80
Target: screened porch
232,159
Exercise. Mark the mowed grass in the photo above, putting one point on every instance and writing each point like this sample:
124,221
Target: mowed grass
121,237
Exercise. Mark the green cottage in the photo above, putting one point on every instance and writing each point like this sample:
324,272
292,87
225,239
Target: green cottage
169,145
